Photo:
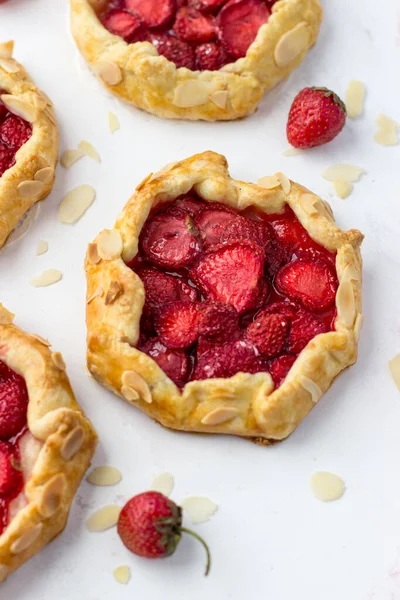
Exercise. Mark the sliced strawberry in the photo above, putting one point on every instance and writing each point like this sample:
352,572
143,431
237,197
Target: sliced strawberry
174,363
3,109
218,321
194,27
239,22
14,132
175,50
287,309
316,253
153,13
211,222
262,295
276,256
280,367
225,360
123,23
178,324
303,329
186,291
312,283
7,158
290,232
207,6
268,333
171,239
10,475
231,274
13,402
159,288
190,205
246,229
210,57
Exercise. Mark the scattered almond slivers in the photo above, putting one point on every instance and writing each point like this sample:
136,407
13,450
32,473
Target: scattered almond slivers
354,99
163,483
394,366
108,71
292,44
96,294
192,93
9,65
104,518
122,574
199,508
113,122
327,486
342,177
30,189
220,98
48,277
74,205
42,247
69,157
284,181
342,188
269,182
104,476
20,107
7,49
291,151
388,131
89,150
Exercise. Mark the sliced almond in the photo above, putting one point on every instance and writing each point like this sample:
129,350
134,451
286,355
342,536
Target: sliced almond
133,381
387,137
74,205
51,496
327,486
7,49
26,539
292,44
284,181
199,508
88,149
69,157
42,247
220,98
108,71
385,122
129,393
4,571
40,100
46,174
358,326
311,387
9,65
291,151
122,574
73,443
6,317
104,476
40,339
113,122
345,303
104,518
20,107
109,244
354,100
342,188
269,182
163,483
220,415
114,291
192,93
30,189
48,277
58,360
93,254
343,172
98,292
309,204
394,366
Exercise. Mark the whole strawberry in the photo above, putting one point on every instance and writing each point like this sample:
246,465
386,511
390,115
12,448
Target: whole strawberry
316,117
150,525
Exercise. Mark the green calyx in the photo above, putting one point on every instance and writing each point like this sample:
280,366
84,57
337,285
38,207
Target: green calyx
329,94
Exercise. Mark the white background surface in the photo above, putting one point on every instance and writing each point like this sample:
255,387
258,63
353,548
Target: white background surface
270,537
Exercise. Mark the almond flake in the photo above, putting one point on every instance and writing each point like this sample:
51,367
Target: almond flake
220,415
73,443
345,303
6,317
312,388
40,100
104,476
42,248
163,483
88,149
46,174
30,189
7,49
93,255
129,393
58,360
387,137
284,181
108,71
114,291
104,518
191,93
342,188
269,182
98,292
26,539
74,205
394,366
220,98
308,203
199,508
344,172
327,486
4,571
9,65
291,44
385,122
113,122
69,157
358,326
109,244
52,494
20,107
133,381
354,100
40,339
292,151
122,574
48,277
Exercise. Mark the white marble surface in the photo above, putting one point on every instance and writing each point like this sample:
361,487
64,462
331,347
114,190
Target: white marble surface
270,537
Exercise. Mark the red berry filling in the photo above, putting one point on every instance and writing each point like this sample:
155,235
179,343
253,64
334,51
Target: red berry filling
13,414
14,132
196,34
229,292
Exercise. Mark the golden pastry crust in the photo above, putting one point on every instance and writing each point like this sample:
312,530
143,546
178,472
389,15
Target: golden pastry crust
67,443
136,73
245,404
31,178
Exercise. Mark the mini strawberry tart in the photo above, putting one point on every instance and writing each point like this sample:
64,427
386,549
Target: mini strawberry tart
221,306
194,59
46,445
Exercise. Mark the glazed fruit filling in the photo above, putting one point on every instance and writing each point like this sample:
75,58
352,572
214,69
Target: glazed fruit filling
196,34
229,292
14,132
13,426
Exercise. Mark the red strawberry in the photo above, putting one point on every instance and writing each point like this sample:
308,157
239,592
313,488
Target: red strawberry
231,274
176,51
7,158
186,291
312,283
225,360
210,57
246,229
159,288
276,255
192,26
262,295
14,132
178,324
239,22
290,232
268,333
152,12
303,329
189,204
287,309
316,117
211,222
10,473
123,23
150,525
218,321
207,6
174,363
171,239
280,367
13,402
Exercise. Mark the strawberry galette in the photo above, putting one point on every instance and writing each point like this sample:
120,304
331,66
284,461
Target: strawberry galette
221,306
194,59
46,444
28,142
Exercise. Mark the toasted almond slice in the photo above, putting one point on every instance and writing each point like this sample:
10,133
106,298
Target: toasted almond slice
114,291
122,574
291,44
394,366
354,100
98,292
108,71
385,122
309,203
69,157
93,254
344,172
20,107
192,93
387,137
109,244
292,151
73,443
30,189
284,181
4,571
48,277
345,303
88,149
163,483
104,518
269,182
327,486
199,508
42,247
132,380
51,496
220,415
58,360
220,98
311,387
129,393
104,476
46,174
40,100
113,122
26,539
7,49
342,188
40,339
6,317
74,205
358,326
9,65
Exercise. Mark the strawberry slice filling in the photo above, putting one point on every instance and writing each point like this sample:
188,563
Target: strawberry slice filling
196,34
14,132
229,291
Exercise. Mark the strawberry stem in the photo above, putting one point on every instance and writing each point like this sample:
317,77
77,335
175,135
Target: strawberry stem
207,549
